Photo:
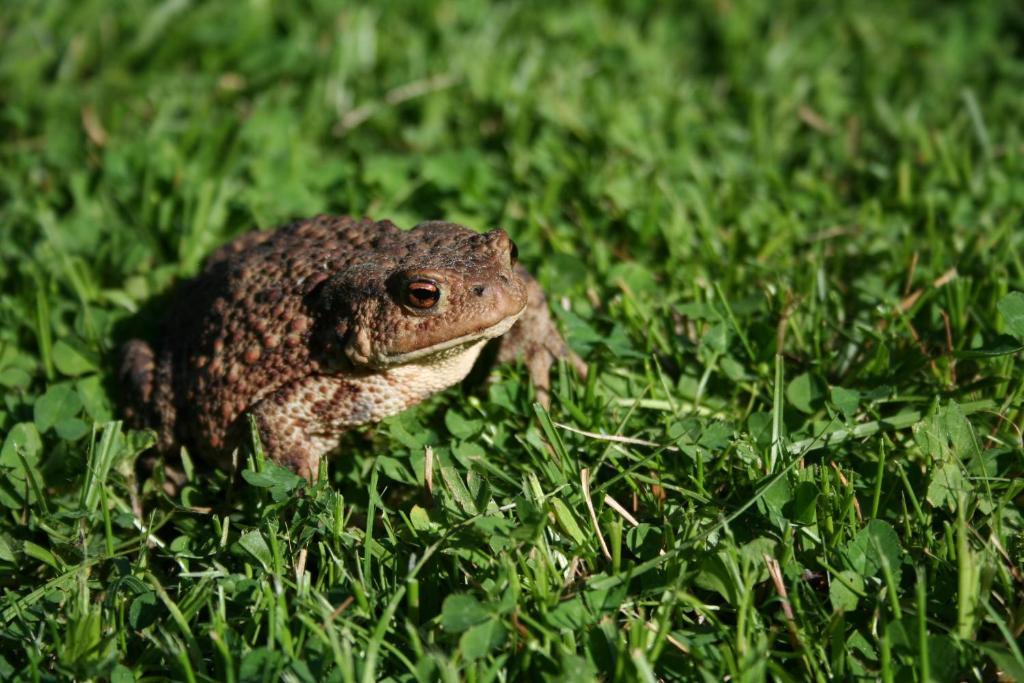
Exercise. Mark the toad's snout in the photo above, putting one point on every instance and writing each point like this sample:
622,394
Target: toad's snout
497,298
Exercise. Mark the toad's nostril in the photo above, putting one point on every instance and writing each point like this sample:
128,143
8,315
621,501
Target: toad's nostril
479,290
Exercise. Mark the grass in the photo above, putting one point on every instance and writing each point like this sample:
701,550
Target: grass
786,239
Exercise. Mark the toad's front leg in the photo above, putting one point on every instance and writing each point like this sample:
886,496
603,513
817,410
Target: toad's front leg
536,340
303,421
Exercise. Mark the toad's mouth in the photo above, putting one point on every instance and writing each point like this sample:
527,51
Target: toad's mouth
451,346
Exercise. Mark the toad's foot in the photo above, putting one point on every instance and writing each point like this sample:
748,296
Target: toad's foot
536,340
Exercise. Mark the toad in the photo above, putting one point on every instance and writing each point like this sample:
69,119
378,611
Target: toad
327,324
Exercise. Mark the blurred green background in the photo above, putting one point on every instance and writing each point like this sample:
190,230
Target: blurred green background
759,222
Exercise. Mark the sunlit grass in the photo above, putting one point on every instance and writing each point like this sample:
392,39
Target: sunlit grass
786,240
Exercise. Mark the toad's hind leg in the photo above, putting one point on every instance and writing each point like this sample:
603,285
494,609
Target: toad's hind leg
146,382
148,403
138,367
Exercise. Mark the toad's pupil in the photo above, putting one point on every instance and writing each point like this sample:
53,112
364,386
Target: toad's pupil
515,253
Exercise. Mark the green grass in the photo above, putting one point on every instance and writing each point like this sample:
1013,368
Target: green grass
784,238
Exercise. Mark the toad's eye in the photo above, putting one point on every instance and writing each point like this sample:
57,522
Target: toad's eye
515,253
422,294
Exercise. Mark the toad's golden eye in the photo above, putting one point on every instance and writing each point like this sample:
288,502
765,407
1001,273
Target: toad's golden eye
422,294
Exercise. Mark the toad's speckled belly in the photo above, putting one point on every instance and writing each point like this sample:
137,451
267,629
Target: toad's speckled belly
309,416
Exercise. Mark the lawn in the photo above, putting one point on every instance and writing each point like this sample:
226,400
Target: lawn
788,239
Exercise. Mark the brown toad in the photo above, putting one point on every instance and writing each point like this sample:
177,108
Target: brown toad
330,323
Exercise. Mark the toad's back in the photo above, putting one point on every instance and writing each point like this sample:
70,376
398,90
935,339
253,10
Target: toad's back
241,329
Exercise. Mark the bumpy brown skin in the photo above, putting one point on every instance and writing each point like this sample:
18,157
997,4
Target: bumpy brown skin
311,330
